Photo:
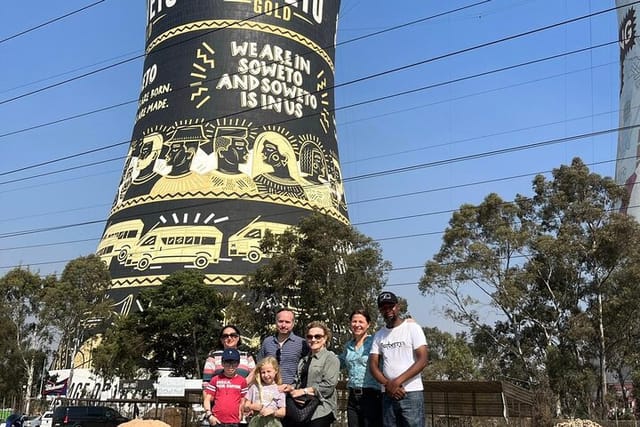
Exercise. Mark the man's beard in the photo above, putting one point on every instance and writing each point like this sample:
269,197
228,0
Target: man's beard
391,319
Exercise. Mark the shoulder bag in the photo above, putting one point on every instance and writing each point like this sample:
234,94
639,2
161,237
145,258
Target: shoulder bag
300,409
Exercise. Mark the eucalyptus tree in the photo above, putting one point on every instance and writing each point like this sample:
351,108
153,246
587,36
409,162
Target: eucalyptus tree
26,338
450,357
175,329
552,266
321,268
77,306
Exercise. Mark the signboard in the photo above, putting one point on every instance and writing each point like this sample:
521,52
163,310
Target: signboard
170,387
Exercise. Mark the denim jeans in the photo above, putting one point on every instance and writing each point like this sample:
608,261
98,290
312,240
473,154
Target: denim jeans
364,409
407,412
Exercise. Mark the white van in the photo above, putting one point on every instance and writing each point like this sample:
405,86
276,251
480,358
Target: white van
195,245
118,239
246,242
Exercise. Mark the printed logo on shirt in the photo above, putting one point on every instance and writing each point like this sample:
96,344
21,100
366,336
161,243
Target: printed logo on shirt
392,345
227,384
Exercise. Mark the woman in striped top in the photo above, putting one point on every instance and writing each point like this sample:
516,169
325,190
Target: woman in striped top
229,338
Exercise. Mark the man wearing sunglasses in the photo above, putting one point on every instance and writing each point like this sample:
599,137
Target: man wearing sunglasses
402,348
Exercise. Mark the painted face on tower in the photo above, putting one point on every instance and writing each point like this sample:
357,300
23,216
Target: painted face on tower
271,155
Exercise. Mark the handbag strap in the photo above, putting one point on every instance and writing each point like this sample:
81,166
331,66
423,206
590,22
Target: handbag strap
304,371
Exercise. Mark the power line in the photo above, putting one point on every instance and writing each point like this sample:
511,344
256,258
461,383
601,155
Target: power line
195,37
431,190
458,141
414,167
68,260
397,69
515,256
352,203
99,110
71,168
385,172
125,61
64,73
404,195
55,212
354,224
69,118
51,21
357,104
339,125
45,245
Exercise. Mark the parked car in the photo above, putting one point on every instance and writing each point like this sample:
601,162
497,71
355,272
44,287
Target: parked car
14,420
31,421
46,420
86,416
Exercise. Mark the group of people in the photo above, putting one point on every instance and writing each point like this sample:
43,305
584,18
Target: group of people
384,373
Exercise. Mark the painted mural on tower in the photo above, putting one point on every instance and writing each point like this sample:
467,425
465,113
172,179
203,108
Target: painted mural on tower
234,134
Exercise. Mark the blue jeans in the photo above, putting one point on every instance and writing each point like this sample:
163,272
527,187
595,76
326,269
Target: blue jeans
407,412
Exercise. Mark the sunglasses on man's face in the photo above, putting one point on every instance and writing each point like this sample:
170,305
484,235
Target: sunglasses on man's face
225,336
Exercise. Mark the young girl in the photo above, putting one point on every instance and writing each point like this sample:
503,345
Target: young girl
263,397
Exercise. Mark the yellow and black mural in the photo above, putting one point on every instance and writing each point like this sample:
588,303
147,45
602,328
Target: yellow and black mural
234,134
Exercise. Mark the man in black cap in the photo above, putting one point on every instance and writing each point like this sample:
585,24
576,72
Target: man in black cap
402,347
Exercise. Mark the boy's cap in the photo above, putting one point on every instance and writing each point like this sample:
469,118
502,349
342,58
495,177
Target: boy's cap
231,354
387,298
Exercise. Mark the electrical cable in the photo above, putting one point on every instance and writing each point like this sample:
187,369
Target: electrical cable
214,78
397,69
168,46
469,184
51,21
386,155
370,175
357,104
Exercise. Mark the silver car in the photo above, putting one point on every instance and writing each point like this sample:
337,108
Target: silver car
46,419
31,421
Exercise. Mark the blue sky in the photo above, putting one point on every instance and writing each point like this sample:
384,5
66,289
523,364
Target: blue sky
459,106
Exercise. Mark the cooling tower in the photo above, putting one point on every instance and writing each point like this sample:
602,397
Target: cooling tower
628,155
234,134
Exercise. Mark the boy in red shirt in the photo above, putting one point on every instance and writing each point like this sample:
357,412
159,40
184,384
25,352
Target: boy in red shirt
225,393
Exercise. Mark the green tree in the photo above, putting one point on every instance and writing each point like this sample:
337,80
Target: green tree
76,305
322,268
174,330
477,264
599,249
121,350
450,357
11,380
552,267
26,338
